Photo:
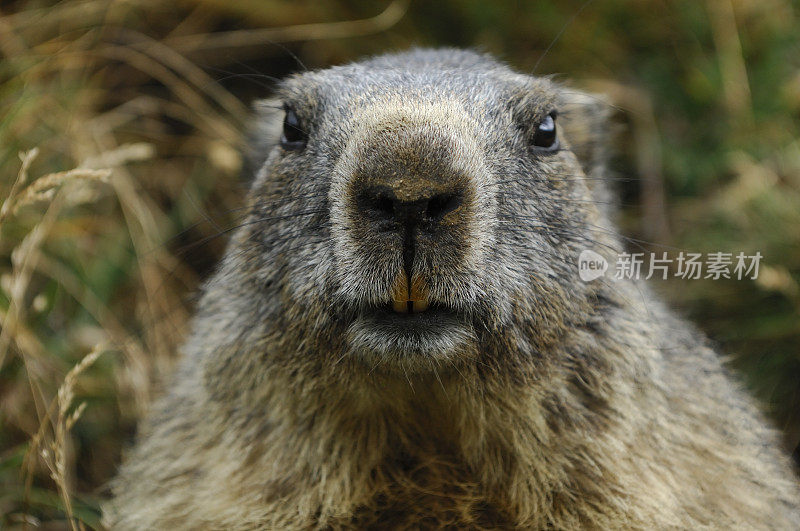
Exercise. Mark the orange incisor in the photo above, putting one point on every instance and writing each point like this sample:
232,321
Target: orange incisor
409,299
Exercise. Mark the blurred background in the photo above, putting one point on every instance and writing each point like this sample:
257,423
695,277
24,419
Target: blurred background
121,124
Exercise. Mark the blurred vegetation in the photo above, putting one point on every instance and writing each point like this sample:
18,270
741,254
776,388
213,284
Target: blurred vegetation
120,129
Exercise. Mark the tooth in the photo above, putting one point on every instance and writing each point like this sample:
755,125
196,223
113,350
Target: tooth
400,288
419,289
409,296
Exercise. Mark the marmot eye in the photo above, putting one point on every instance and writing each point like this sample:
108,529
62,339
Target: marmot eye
294,137
545,136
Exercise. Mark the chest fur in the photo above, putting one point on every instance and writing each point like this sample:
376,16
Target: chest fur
430,493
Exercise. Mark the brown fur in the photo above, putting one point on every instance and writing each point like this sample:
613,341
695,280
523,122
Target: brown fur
546,402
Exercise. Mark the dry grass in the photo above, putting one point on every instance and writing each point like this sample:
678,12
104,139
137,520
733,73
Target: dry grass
41,215
52,443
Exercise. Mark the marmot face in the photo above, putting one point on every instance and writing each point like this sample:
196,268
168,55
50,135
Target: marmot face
423,204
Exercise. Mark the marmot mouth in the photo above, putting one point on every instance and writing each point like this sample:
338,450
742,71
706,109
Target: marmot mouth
410,309
437,331
401,306
412,319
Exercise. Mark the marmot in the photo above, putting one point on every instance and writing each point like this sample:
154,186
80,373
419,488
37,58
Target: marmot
397,336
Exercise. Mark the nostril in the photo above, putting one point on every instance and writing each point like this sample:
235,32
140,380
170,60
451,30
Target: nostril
377,202
384,205
442,204
381,205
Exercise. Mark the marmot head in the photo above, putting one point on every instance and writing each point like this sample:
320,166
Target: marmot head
424,208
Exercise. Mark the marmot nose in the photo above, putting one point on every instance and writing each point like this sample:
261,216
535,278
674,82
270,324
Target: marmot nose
387,206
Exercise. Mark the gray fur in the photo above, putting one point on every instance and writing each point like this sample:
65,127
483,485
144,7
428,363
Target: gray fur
541,402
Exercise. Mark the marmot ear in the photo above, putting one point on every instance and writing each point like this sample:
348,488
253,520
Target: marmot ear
264,133
586,126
